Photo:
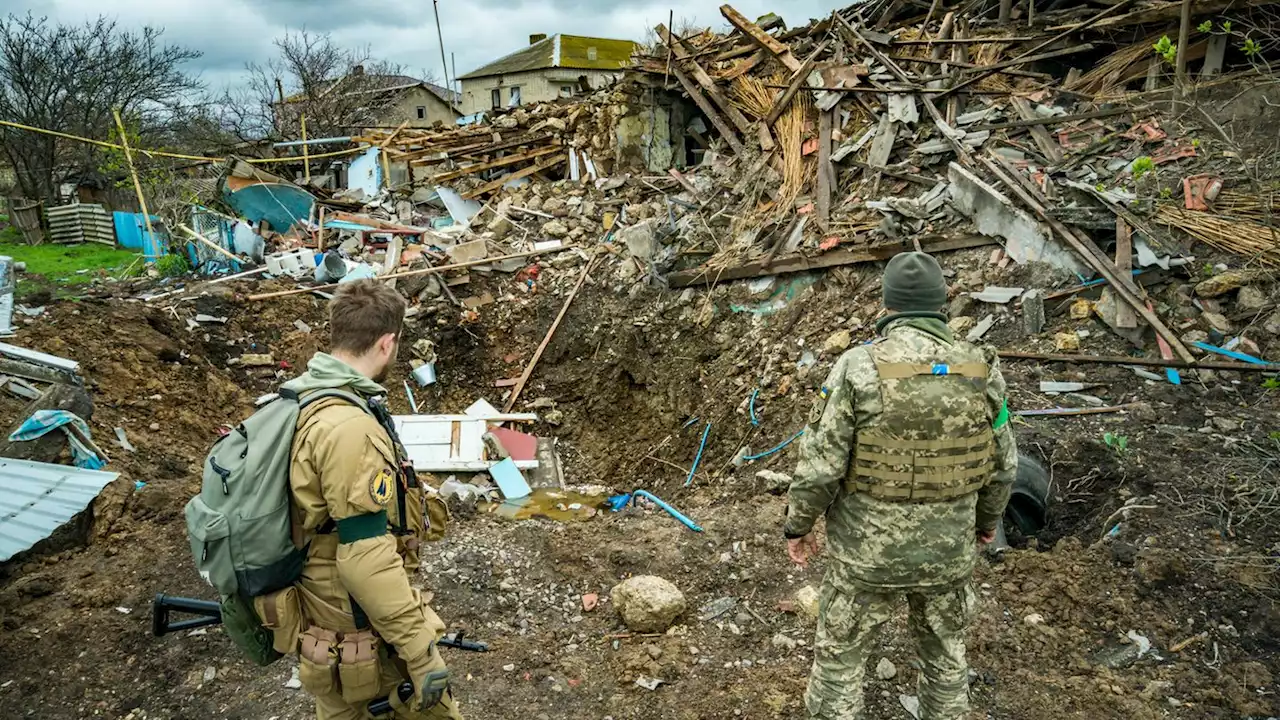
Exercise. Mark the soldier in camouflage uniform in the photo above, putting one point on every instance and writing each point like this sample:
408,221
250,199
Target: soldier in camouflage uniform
910,456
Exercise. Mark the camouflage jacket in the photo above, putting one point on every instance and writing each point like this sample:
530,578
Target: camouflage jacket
879,544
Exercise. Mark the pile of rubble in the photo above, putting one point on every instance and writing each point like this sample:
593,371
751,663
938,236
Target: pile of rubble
768,150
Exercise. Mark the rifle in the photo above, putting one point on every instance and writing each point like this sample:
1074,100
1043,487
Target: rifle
210,613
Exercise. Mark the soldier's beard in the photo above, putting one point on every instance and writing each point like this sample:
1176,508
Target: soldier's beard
383,372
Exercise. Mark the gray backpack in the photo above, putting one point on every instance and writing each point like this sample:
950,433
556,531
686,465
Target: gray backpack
239,526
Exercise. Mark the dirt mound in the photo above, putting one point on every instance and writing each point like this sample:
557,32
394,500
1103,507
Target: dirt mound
632,377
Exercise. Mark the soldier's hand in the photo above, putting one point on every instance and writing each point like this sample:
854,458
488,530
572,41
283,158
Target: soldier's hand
801,549
986,537
430,678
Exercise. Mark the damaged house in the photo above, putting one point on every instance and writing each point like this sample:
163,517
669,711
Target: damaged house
559,66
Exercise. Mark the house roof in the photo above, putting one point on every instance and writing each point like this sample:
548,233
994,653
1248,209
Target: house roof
562,51
395,83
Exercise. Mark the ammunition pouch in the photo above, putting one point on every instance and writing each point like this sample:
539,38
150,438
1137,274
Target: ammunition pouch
318,660
360,666
897,470
281,613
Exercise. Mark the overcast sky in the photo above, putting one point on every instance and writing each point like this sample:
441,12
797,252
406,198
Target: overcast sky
231,32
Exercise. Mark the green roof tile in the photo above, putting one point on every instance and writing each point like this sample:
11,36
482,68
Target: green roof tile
574,52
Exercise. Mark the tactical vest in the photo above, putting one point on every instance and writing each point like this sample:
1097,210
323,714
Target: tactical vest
932,441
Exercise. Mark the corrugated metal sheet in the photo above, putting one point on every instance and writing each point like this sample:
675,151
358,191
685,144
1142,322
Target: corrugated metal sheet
38,498
79,223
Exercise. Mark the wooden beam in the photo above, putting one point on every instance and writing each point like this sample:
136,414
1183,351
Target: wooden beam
1124,266
537,354
743,67
708,109
1006,10
835,258
1054,120
495,185
501,162
826,121
1048,146
1025,57
1088,252
798,81
704,80
1184,37
761,38
133,171
931,61
1140,361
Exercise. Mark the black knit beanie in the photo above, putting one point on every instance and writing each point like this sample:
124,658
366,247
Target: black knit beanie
913,282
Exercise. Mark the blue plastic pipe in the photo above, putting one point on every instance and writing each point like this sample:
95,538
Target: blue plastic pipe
670,510
703,446
754,420
767,453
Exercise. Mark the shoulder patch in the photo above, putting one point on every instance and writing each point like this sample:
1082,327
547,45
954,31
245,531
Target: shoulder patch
382,487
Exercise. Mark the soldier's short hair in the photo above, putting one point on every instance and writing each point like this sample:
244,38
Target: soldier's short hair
361,312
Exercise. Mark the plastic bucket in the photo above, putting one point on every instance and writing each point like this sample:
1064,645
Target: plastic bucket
425,374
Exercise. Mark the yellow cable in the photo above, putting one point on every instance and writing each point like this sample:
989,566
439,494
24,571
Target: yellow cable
177,156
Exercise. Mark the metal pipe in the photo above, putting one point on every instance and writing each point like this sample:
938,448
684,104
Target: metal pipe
697,459
670,510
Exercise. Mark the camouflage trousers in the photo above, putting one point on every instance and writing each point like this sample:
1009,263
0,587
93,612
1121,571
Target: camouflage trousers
847,624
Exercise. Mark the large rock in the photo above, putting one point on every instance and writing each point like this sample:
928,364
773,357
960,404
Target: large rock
1250,299
838,342
807,602
1218,322
1225,282
641,239
555,229
648,603
1272,324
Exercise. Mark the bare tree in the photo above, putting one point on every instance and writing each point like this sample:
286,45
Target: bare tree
69,78
336,88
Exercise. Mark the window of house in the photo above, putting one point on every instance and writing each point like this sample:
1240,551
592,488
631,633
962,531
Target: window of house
566,91
591,53
496,96
514,94
422,112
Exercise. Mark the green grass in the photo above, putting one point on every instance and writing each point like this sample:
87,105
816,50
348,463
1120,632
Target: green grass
57,268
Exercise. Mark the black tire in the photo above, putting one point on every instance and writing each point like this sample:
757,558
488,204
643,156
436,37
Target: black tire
1028,508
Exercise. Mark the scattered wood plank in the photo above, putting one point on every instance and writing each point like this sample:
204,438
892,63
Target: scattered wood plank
835,258
502,162
688,186
1065,412
496,185
1140,361
1048,146
537,354
1124,266
1054,120
761,38
1026,56
704,80
952,63
798,81
826,180
743,67
1088,252
882,145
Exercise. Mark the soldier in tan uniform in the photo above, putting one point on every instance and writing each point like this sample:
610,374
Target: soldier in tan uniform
909,454
365,629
